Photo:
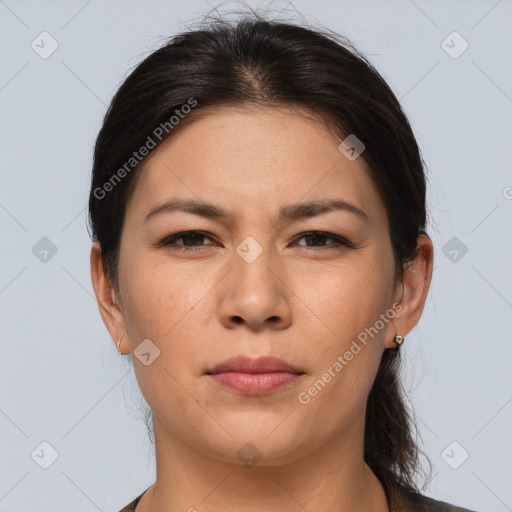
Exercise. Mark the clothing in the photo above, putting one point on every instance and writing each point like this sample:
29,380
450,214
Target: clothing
399,500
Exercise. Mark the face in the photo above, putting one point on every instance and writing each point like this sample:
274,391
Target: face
258,276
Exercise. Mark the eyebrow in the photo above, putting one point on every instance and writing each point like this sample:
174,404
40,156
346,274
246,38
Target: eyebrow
287,213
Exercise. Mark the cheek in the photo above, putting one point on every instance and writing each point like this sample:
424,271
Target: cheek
348,302
345,363
160,305
166,305
347,297
157,296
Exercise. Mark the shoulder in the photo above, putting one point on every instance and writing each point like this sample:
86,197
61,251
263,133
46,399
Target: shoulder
404,500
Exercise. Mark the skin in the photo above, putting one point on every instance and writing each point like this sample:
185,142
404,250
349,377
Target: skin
303,300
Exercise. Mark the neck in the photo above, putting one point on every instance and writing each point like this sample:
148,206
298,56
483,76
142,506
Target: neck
334,477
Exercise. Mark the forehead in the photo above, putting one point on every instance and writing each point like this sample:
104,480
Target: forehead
262,157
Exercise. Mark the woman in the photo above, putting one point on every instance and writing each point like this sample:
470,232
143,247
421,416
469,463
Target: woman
258,215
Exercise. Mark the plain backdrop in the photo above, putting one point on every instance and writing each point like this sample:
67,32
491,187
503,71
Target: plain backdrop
71,403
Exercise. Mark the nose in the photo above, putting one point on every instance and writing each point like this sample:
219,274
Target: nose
255,294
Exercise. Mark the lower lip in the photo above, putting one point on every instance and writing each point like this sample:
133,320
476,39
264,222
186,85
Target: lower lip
255,383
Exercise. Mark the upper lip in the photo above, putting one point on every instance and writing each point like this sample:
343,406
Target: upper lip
245,364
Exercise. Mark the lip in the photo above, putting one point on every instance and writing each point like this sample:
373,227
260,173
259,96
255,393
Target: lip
254,376
244,364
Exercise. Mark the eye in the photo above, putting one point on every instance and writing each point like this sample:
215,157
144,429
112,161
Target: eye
318,237
191,240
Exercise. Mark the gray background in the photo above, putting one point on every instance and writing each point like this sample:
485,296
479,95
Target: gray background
62,380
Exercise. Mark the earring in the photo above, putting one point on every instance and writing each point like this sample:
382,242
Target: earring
118,343
399,339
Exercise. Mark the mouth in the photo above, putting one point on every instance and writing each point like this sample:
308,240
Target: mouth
254,376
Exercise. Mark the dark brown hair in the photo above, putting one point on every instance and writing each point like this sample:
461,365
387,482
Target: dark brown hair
256,61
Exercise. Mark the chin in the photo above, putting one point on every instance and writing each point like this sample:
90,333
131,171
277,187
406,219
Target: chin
258,446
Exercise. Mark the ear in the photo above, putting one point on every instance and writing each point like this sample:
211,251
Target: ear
107,299
412,292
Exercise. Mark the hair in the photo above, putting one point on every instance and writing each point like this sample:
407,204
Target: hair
272,64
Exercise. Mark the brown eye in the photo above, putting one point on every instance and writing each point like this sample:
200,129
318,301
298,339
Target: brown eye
318,238
191,240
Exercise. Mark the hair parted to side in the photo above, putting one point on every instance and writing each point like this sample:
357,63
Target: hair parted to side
255,61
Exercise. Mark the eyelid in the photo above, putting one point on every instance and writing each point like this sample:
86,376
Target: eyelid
339,240
176,236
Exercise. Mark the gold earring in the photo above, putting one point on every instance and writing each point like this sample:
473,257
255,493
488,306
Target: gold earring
399,339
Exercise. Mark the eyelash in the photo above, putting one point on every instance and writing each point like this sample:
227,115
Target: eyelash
170,240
